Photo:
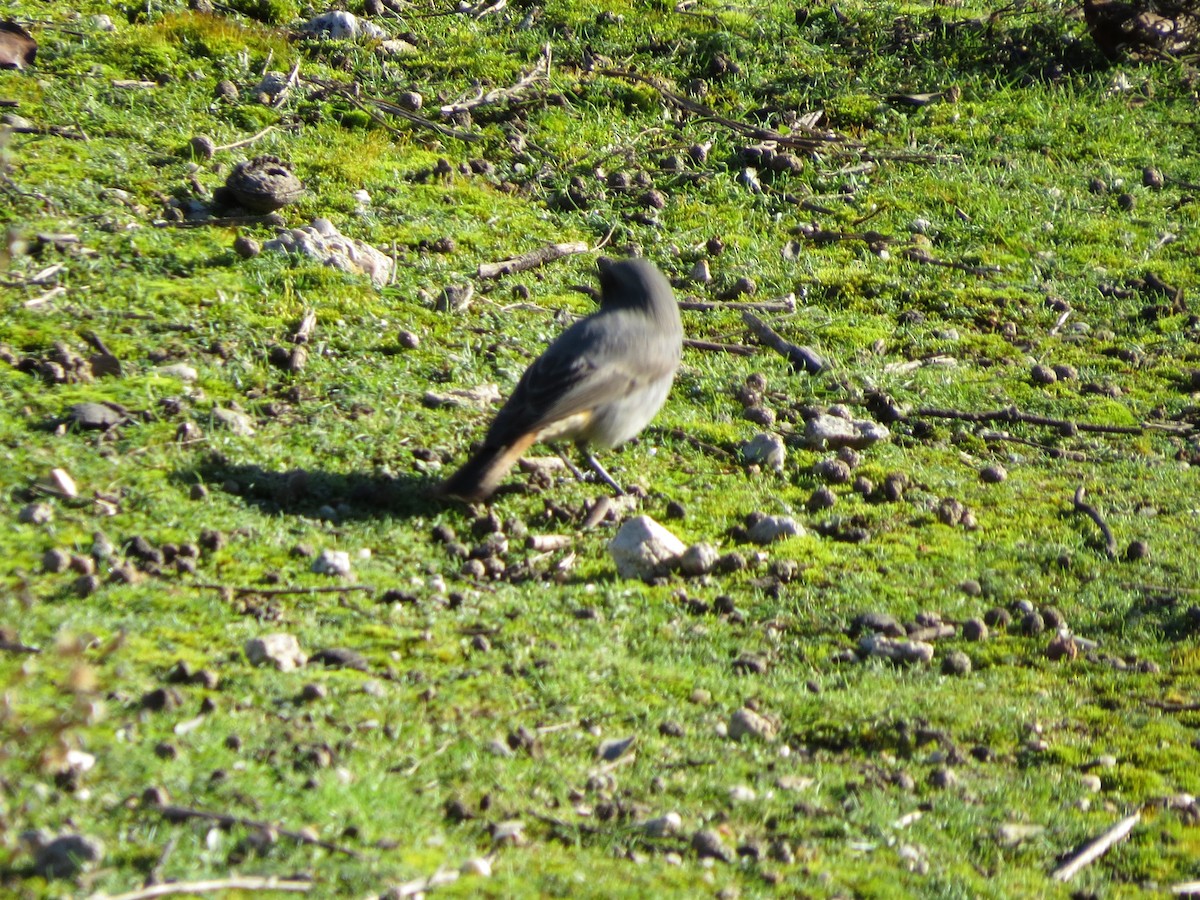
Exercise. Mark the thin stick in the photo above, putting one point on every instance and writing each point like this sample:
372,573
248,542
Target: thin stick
1081,506
917,254
532,259
801,358
183,813
1186,888
736,349
785,305
247,141
223,221
710,449
240,883
495,96
807,140
280,592
1095,849
53,130
1012,414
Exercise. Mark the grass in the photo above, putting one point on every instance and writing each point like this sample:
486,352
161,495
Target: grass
485,699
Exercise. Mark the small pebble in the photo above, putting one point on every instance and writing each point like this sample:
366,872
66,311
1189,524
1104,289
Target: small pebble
975,630
1137,550
821,498
35,514
833,470
997,617
203,147
1043,375
332,562
1032,624
246,247
707,844
993,474
956,663
943,778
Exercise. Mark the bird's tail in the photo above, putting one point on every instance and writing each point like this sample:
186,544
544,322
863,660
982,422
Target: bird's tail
480,475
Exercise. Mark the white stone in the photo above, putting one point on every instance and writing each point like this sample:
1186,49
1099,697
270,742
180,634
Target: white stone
321,240
332,562
182,371
341,25
831,431
644,549
746,722
664,825
236,421
698,559
280,649
775,528
767,449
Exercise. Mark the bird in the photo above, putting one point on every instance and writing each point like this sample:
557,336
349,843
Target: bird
599,383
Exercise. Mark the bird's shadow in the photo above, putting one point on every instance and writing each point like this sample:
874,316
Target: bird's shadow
313,492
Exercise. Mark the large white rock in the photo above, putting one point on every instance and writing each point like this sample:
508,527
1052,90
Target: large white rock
321,240
644,549
826,431
765,449
280,649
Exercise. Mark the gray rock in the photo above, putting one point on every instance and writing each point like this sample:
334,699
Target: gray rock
644,549
280,649
341,25
774,528
481,397
766,449
615,748
100,416
235,420
896,650
747,723
272,83
825,431
322,241
663,826
332,562
708,845
455,298
182,371
698,559
36,514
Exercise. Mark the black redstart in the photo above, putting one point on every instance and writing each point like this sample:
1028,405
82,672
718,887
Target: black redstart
599,383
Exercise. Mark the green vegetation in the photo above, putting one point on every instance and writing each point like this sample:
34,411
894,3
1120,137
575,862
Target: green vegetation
939,254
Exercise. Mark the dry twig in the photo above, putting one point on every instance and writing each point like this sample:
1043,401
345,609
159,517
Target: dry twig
917,254
279,592
806,140
532,259
237,883
1012,414
1082,506
1093,850
735,349
801,358
785,305
224,820
537,73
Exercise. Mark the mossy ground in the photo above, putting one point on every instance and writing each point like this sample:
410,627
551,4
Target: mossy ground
1002,177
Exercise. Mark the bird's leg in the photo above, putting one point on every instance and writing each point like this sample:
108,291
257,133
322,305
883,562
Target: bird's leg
601,473
575,470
